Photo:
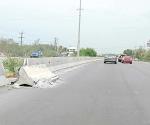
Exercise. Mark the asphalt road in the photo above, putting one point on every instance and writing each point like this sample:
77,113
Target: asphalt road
94,94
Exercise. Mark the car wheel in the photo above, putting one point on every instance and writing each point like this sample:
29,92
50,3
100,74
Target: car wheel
115,62
130,62
104,62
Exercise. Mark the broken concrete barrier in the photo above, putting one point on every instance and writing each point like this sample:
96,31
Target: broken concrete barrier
24,79
37,76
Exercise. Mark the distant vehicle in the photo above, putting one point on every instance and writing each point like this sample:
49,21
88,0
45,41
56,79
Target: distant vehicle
63,54
120,57
110,58
72,51
36,54
127,59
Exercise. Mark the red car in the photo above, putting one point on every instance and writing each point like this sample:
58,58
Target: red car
120,57
127,59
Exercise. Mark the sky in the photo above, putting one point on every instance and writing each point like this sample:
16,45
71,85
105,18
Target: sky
109,26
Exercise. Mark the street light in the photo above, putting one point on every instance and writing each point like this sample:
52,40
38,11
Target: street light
79,31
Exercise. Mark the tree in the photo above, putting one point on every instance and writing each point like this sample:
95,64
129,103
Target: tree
128,52
139,53
88,52
11,49
147,56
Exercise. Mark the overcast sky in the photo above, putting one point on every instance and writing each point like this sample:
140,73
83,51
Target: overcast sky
107,25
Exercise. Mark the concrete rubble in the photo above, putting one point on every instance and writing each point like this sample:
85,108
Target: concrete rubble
38,76
3,81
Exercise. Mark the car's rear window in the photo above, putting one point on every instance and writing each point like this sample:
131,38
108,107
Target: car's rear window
110,55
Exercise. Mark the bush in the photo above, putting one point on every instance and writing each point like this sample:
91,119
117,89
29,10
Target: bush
88,52
12,65
128,52
147,56
10,48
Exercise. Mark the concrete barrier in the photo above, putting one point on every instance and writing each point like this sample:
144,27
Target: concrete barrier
37,72
38,76
53,61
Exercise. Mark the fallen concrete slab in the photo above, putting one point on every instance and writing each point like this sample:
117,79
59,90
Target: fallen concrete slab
36,76
38,71
24,79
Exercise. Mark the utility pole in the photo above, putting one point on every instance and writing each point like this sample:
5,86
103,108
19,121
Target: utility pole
21,38
37,41
55,43
79,30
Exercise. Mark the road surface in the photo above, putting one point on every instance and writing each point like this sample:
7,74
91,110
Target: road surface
94,94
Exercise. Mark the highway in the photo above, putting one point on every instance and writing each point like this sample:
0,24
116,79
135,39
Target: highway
93,94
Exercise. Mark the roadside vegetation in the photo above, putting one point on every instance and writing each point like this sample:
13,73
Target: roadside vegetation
140,53
11,49
88,52
12,66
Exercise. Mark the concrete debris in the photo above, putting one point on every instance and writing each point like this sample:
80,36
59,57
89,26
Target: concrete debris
24,78
45,83
12,80
4,81
38,71
38,76
16,86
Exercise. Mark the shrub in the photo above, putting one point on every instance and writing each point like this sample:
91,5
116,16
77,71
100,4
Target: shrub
128,52
12,65
147,56
88,52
